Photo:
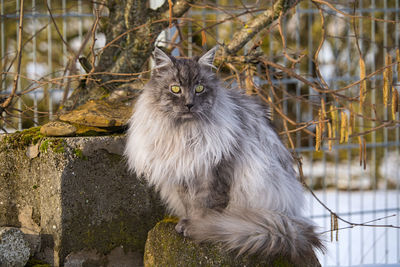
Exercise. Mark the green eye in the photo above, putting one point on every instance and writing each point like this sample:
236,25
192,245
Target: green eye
175,89
199,88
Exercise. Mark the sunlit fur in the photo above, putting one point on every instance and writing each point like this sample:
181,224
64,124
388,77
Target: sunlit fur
220,167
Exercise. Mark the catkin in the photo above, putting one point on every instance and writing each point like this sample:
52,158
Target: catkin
352,121
387,80
365,153
363,84
318,132
330,136
336,225
323,113
395,103
334,117
332,226
398,63
344,133
360,150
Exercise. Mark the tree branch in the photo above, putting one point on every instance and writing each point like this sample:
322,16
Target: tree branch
258,23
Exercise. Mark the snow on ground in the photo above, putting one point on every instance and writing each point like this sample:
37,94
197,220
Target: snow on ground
359,245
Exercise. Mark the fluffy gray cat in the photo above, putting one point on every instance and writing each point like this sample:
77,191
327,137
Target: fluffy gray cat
218,164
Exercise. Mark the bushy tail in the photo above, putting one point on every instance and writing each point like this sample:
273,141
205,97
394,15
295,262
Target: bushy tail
269,234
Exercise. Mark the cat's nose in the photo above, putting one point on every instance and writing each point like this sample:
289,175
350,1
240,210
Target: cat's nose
189,106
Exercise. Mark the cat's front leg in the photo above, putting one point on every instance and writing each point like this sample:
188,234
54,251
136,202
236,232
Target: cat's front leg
180,226
185,227
185,200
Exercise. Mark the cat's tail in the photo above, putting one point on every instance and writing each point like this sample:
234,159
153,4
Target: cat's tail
268,234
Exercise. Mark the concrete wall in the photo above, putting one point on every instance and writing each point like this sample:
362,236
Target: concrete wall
75,194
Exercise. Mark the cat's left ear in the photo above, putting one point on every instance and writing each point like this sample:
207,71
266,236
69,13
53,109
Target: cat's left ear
160,58
208,58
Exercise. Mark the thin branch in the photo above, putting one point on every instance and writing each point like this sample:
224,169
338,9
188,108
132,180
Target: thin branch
352,224
352,16
7,102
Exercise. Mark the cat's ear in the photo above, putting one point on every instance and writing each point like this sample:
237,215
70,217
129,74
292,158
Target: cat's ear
160,58
208,58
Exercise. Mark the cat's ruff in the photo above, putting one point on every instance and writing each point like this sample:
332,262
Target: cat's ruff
223,171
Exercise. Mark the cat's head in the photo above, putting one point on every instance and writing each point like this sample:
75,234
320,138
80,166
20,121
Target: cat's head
183,89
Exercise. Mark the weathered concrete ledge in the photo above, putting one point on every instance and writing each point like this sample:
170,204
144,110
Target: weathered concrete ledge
165,247
75,194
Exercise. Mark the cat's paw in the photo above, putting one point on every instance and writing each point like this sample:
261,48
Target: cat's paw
181,225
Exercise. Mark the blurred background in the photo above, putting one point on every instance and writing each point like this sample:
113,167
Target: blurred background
328,69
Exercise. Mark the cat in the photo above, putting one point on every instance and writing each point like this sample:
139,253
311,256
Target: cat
216,161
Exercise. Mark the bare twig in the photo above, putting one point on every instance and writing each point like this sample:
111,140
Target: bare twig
352,224
7,102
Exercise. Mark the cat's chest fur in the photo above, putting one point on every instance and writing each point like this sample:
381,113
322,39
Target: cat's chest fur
169,153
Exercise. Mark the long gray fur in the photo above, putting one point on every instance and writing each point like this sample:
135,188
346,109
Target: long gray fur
219,166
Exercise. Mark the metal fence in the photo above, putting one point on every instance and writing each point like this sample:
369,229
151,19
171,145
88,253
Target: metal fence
357,195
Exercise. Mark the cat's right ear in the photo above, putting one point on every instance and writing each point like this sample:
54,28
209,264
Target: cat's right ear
160,58
208,58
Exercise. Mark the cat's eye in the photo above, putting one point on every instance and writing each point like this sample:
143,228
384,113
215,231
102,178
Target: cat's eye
199,89
175,89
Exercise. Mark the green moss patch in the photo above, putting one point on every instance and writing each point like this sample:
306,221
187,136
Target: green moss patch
36,263
22,139
79,154
165,247
82,130
56,145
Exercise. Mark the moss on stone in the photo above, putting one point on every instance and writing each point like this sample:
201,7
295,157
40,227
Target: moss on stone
170,219
165,247
83,130
44,146
79,154
32,262
22,139
58,145
120,231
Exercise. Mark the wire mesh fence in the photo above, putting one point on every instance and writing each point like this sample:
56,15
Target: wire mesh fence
358,178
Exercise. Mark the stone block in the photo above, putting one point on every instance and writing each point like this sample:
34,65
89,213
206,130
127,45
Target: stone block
75,193
14,249
165,247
